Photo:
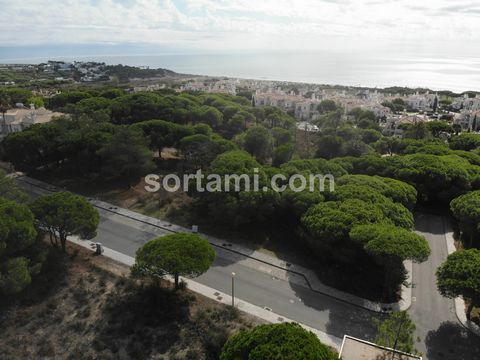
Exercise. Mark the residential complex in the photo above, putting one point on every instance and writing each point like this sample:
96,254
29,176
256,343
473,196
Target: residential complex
20,118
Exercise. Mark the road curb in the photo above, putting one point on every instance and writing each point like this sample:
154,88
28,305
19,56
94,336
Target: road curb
311,279
459,301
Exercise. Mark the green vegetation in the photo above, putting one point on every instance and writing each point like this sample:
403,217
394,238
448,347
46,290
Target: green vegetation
437,127
465,142
276,342
466,209
9,189
86,307
435,177
21,256
396,105
390,246
64,214
11,96
395,190
126,156
237,208
258,141
178,255
396,332
460,276
124,72
111,139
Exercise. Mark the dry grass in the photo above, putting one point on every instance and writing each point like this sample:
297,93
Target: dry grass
476,316
96,312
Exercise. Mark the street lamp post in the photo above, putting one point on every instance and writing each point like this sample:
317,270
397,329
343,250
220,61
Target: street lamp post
233,289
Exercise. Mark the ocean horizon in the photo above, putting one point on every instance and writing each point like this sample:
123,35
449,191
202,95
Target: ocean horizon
456,74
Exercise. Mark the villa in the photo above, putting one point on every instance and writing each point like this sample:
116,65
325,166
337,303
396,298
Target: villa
19,119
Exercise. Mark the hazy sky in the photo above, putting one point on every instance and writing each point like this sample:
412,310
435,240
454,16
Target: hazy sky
446,27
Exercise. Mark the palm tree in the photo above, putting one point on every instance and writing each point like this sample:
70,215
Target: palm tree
4,106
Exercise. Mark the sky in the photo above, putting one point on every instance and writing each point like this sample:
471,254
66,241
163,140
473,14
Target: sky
227,26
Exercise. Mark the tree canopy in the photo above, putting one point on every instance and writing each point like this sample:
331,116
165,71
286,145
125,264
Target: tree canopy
286,341
389,246
396,213
64,214
460,276
465,141
383,240
180,254
126,156
396,332
20,258
235,207
10,190
258,141
466,209
397,191
329,223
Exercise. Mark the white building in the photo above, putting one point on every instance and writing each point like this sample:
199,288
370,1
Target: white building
423,102
19,119
393,124
380,111
302,108
468,120
466,103
228,87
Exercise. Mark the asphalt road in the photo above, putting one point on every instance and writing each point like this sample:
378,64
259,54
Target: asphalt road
257,287
441,335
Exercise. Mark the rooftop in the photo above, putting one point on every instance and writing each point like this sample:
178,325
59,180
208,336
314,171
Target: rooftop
357,349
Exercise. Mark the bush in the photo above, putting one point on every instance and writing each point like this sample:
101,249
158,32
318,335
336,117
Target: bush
276,341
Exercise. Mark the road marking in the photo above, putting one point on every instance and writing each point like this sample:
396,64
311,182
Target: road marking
292,301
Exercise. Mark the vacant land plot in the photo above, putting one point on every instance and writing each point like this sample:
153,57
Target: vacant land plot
92,310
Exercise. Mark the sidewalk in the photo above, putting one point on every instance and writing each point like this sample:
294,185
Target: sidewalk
220,297
295,273
459,302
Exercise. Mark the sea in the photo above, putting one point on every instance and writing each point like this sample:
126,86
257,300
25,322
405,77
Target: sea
454,73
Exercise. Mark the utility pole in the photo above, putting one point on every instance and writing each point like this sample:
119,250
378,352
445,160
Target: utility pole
233,288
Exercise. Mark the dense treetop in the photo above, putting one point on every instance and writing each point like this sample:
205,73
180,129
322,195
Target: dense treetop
20,256
391,241
180,254
64,214
460,276
466,209
287,341
114,136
